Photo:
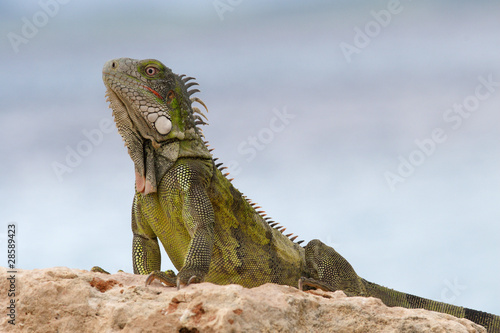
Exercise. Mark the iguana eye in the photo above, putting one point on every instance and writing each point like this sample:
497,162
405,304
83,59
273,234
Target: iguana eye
151,71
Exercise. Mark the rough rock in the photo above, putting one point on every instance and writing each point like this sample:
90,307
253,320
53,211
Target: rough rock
71,300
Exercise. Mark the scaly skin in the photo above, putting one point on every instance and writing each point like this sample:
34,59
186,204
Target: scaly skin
210,231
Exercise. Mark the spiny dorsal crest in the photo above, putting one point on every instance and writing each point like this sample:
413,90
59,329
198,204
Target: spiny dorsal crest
196,111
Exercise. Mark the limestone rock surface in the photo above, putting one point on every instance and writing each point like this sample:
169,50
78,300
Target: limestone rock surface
61,299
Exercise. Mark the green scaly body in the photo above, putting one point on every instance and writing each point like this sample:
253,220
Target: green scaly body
210,231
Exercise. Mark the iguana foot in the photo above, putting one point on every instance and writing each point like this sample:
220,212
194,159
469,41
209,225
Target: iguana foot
168,278
189,275
313,283
328,270
97,269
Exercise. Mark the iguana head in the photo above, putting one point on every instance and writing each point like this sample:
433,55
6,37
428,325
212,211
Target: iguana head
152,110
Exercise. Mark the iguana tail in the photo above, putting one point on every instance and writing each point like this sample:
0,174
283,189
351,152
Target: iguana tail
392,297
328,270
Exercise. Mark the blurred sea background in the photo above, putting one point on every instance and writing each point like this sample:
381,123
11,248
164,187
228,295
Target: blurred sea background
314,105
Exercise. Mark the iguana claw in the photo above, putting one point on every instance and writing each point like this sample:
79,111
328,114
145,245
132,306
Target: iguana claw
150,279
167,278
192,279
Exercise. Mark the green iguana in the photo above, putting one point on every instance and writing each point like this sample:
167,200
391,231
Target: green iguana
210,230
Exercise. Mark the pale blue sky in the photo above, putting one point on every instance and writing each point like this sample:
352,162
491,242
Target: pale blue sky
321,172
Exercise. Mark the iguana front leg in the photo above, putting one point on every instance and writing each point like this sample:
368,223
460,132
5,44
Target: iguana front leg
146,256
186,186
